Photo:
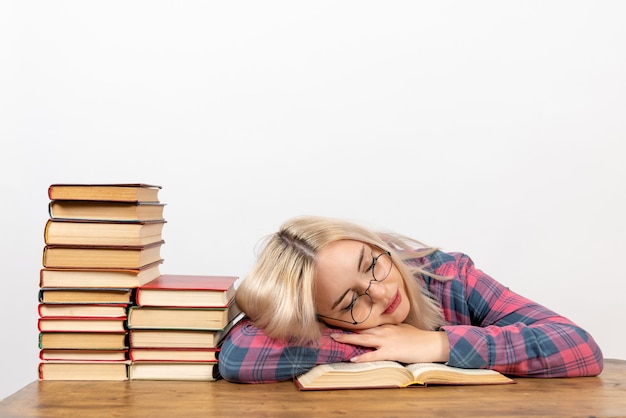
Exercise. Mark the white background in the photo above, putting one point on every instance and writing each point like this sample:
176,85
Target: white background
489,127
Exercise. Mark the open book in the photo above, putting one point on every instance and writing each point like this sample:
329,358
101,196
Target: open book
390,374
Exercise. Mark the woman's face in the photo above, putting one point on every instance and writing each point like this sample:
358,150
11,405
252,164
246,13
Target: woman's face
343,272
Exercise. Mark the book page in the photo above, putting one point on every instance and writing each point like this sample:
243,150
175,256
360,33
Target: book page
354,367
441,373
417,368
355,375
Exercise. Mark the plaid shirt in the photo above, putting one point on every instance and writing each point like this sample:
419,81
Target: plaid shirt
490,327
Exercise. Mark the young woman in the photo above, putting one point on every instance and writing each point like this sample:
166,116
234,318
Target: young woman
326,290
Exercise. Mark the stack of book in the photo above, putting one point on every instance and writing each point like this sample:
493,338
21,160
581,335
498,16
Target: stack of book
176,326
102,241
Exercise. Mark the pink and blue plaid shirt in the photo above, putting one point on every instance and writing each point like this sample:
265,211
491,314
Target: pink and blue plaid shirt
489,327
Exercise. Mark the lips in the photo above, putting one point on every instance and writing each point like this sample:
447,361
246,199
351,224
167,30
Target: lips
393,304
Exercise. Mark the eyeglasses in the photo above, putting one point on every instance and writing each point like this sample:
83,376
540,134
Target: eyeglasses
361,305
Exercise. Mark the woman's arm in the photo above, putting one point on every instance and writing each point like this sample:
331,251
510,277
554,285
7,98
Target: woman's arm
247,355
502,330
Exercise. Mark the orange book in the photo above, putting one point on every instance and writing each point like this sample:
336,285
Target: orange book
85,296
99,277
105,211
93,232
120,192
191,291
91,256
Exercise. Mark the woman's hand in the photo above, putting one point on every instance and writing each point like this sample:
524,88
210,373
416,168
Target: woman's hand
403,343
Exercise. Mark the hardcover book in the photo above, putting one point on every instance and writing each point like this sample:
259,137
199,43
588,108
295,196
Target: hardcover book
83,355
390,374
64,310
173,354
105,211
99,277
104,370
50,324
156,317
158,338
83,340
196,371
85,256
85,296
116,233
196,291
121,192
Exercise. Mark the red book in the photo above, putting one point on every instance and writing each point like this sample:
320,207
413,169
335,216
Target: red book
190,291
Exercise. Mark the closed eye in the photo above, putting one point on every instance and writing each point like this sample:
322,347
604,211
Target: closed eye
355,296
371,266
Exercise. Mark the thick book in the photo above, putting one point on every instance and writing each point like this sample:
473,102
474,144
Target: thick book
83,340
99,277
390,374
69,370
85,296
159,338
89,310
179,290
74,354
158,317
173,354
195,371
105,211
120,192
51,324
87,232
85,256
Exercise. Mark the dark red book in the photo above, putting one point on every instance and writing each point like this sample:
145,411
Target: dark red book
190,291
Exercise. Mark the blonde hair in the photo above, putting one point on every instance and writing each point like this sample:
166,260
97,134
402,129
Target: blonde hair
277,294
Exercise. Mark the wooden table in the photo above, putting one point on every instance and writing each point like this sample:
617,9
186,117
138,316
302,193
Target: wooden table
601,396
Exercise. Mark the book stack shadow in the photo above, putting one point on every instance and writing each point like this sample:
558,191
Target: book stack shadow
102,242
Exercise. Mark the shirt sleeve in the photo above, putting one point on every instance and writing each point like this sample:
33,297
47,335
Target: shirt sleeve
247,355
495,328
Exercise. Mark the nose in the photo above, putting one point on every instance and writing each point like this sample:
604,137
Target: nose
376,290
